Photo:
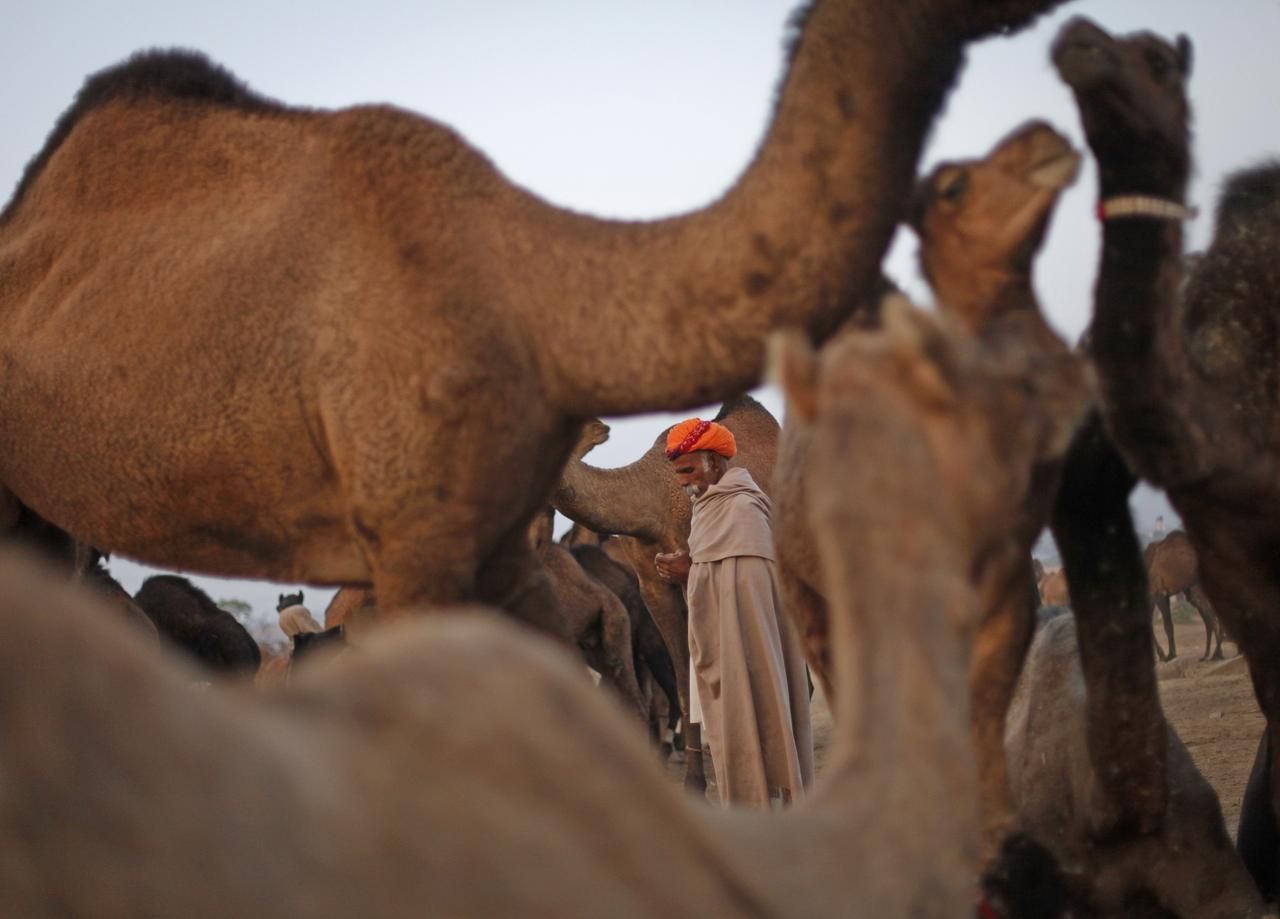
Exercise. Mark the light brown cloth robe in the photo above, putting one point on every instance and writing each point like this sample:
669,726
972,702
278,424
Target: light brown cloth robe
297,619
747,662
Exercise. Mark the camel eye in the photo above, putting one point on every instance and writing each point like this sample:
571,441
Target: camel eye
952,185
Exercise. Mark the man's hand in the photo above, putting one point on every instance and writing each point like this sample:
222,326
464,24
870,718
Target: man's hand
673,566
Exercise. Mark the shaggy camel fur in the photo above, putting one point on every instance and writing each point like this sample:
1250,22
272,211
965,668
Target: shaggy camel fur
642,504
980,223
1187,867
325,776
366,282
1172,570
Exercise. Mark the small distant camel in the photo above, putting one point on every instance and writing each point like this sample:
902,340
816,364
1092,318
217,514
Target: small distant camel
367,284
185,616
1172,570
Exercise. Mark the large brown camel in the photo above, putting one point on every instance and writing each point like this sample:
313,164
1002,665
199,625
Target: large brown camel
1172,570
366,282
326,775
645,509
1185,867
980,223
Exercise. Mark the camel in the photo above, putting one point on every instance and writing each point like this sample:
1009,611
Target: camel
599,624
651,656
980,223
643,507
188,619
374,287
1130,91
1131,94
1185,867
353,608
1171,571
325,774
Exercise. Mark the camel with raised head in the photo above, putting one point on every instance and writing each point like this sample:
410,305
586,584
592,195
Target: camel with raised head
647,512
1186,374
366,282
326,774
1172,570
980,224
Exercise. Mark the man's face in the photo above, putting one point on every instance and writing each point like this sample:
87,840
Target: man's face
696,472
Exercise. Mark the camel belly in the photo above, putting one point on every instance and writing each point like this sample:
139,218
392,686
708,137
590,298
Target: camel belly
203,476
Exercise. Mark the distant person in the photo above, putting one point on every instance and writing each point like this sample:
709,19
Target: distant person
295,619
748,672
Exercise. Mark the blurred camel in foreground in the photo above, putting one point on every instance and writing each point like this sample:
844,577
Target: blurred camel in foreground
326,776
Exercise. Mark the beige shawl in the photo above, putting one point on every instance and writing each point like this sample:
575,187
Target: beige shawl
748,667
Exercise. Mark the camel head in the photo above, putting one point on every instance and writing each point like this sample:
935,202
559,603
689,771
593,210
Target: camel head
1131,94
944,406
981,221
594,433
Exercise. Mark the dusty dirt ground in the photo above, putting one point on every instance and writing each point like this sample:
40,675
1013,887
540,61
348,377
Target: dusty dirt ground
1209,703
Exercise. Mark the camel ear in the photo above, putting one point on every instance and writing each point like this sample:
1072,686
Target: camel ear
1184,56
793,365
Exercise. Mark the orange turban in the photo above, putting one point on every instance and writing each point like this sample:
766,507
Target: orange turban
696,434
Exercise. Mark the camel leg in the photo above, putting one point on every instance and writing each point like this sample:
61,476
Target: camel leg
1166,616
1125,727
999,650
1212,624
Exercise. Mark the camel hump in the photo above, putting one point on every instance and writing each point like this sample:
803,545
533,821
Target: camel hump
1248,194
181,75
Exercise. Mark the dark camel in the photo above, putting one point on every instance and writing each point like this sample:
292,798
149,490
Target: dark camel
185,616
1131,95
366,283
1172,570
980,224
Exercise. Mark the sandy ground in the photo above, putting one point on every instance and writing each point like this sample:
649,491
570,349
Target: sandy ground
1210,704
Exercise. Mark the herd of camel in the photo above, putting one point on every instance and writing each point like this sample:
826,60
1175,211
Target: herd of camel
341,348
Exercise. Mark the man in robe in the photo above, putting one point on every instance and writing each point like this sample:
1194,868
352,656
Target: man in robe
749,677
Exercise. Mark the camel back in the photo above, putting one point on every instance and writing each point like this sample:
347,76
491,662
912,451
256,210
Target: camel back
184,75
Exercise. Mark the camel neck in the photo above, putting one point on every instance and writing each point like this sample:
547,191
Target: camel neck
632,500
685,304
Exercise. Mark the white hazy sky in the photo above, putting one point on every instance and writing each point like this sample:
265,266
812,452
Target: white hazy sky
629,110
